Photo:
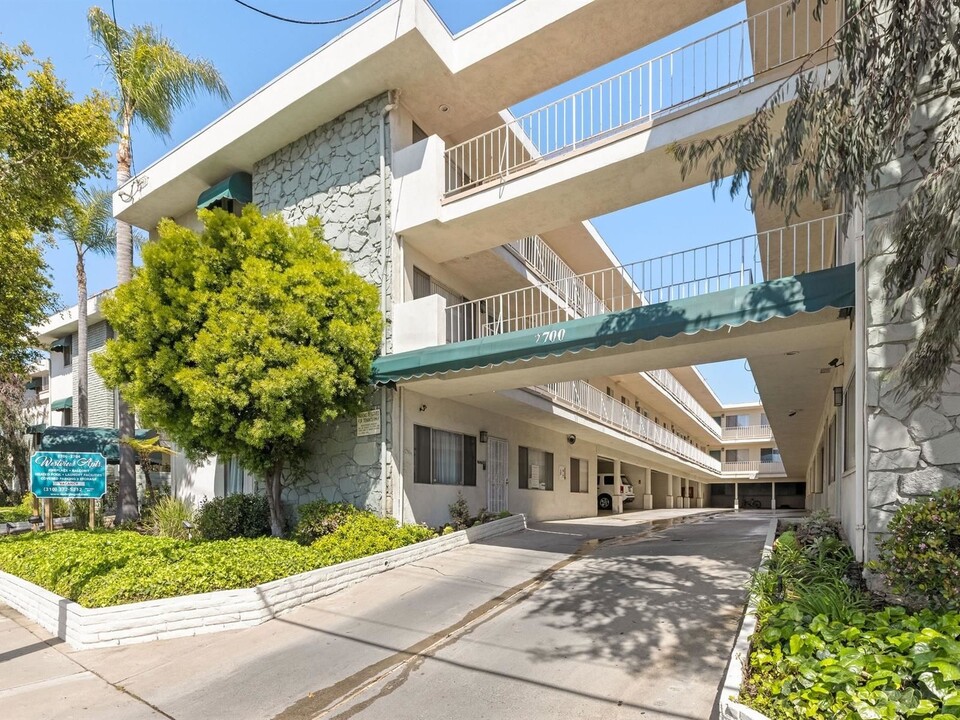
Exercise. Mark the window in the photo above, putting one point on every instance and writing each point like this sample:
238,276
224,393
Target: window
737,421
770,455
66,417
536,469
740,455
67,350
763,419
849,427
443,458
579,476
424,286
609,391
232,477
623,399
832,452
716,454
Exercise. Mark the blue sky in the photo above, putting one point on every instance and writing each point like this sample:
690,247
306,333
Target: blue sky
250,50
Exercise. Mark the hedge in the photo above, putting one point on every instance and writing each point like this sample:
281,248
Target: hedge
112,567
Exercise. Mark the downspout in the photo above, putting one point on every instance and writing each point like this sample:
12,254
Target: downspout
384,214
859,380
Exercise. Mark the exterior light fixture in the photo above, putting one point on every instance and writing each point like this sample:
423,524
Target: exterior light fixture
837,396
483,436
792,413
444,108
792,352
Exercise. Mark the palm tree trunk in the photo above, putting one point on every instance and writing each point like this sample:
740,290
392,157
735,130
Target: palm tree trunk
82,379
127,507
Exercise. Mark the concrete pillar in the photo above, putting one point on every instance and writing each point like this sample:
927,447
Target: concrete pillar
773,496
670,491
699,488
617,507
736,496
647,490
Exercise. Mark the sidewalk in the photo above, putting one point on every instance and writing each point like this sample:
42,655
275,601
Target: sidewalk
305,659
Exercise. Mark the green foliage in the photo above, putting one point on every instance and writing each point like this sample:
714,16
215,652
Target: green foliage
111,567
503,514
366,534
167,516
459,512
921,557
320,518
448,530
17,513
239,340
886,665
234,516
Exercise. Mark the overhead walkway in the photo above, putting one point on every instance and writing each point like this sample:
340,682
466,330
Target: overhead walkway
605,147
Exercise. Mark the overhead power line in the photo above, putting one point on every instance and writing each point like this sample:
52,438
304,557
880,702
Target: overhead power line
333,21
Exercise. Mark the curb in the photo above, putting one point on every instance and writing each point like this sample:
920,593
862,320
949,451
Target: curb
727,706
87,628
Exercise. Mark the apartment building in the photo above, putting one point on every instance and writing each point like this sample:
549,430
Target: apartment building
522,359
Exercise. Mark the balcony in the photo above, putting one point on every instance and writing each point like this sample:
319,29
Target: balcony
750,469
792,250
672,386
711,66
749,432
585,399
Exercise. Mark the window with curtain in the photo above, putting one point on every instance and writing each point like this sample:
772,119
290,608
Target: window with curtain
737,421
232,477
579,480
740,455
536,469
769,455
443,458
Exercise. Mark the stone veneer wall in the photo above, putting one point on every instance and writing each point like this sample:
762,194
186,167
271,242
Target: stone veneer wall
911,453
333,173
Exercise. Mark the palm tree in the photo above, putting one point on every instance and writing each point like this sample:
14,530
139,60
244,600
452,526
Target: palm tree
88,224
153,81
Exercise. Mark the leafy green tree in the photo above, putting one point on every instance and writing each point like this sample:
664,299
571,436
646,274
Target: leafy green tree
88,224
154,80
48,144
240,340
838,129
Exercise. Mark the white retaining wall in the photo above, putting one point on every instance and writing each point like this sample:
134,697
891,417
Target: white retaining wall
85,628
728,707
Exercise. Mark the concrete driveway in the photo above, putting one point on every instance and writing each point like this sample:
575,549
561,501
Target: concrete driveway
613,617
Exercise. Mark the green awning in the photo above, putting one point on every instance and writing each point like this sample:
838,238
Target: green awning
60,343
36,429
34,384
238,186
74,439
63,404
807,293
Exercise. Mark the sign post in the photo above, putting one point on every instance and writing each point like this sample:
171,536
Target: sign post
67,475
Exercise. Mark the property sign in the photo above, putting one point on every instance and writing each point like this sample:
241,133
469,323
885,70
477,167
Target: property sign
368,423
68,475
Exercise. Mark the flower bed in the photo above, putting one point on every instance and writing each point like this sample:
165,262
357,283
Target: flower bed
106,567
825,648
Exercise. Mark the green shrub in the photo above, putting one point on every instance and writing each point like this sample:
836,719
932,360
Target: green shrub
234,516
459,512
366,534
886,664
921,557
320,518
110,567
17,513
448,530
167,517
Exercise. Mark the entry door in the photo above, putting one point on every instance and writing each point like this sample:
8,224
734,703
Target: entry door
497,465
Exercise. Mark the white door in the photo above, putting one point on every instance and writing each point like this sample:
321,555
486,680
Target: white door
498,457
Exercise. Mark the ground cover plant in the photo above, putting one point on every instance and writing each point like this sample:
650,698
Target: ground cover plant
824,648
112,567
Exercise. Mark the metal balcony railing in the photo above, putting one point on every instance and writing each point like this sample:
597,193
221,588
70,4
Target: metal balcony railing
666,380
792,250
698,71
587,400
541,259
750,432
753,467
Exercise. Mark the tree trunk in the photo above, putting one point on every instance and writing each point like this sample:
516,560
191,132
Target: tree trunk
82,373
127,506
274,487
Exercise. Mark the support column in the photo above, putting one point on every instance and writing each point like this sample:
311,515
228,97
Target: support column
617,506
647,489
669,501
685,491
773,495
736,496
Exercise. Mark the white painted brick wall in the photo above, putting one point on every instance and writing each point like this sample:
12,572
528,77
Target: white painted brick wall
85,628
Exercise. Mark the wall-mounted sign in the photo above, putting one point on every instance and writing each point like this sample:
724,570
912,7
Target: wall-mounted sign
368,423
68,475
